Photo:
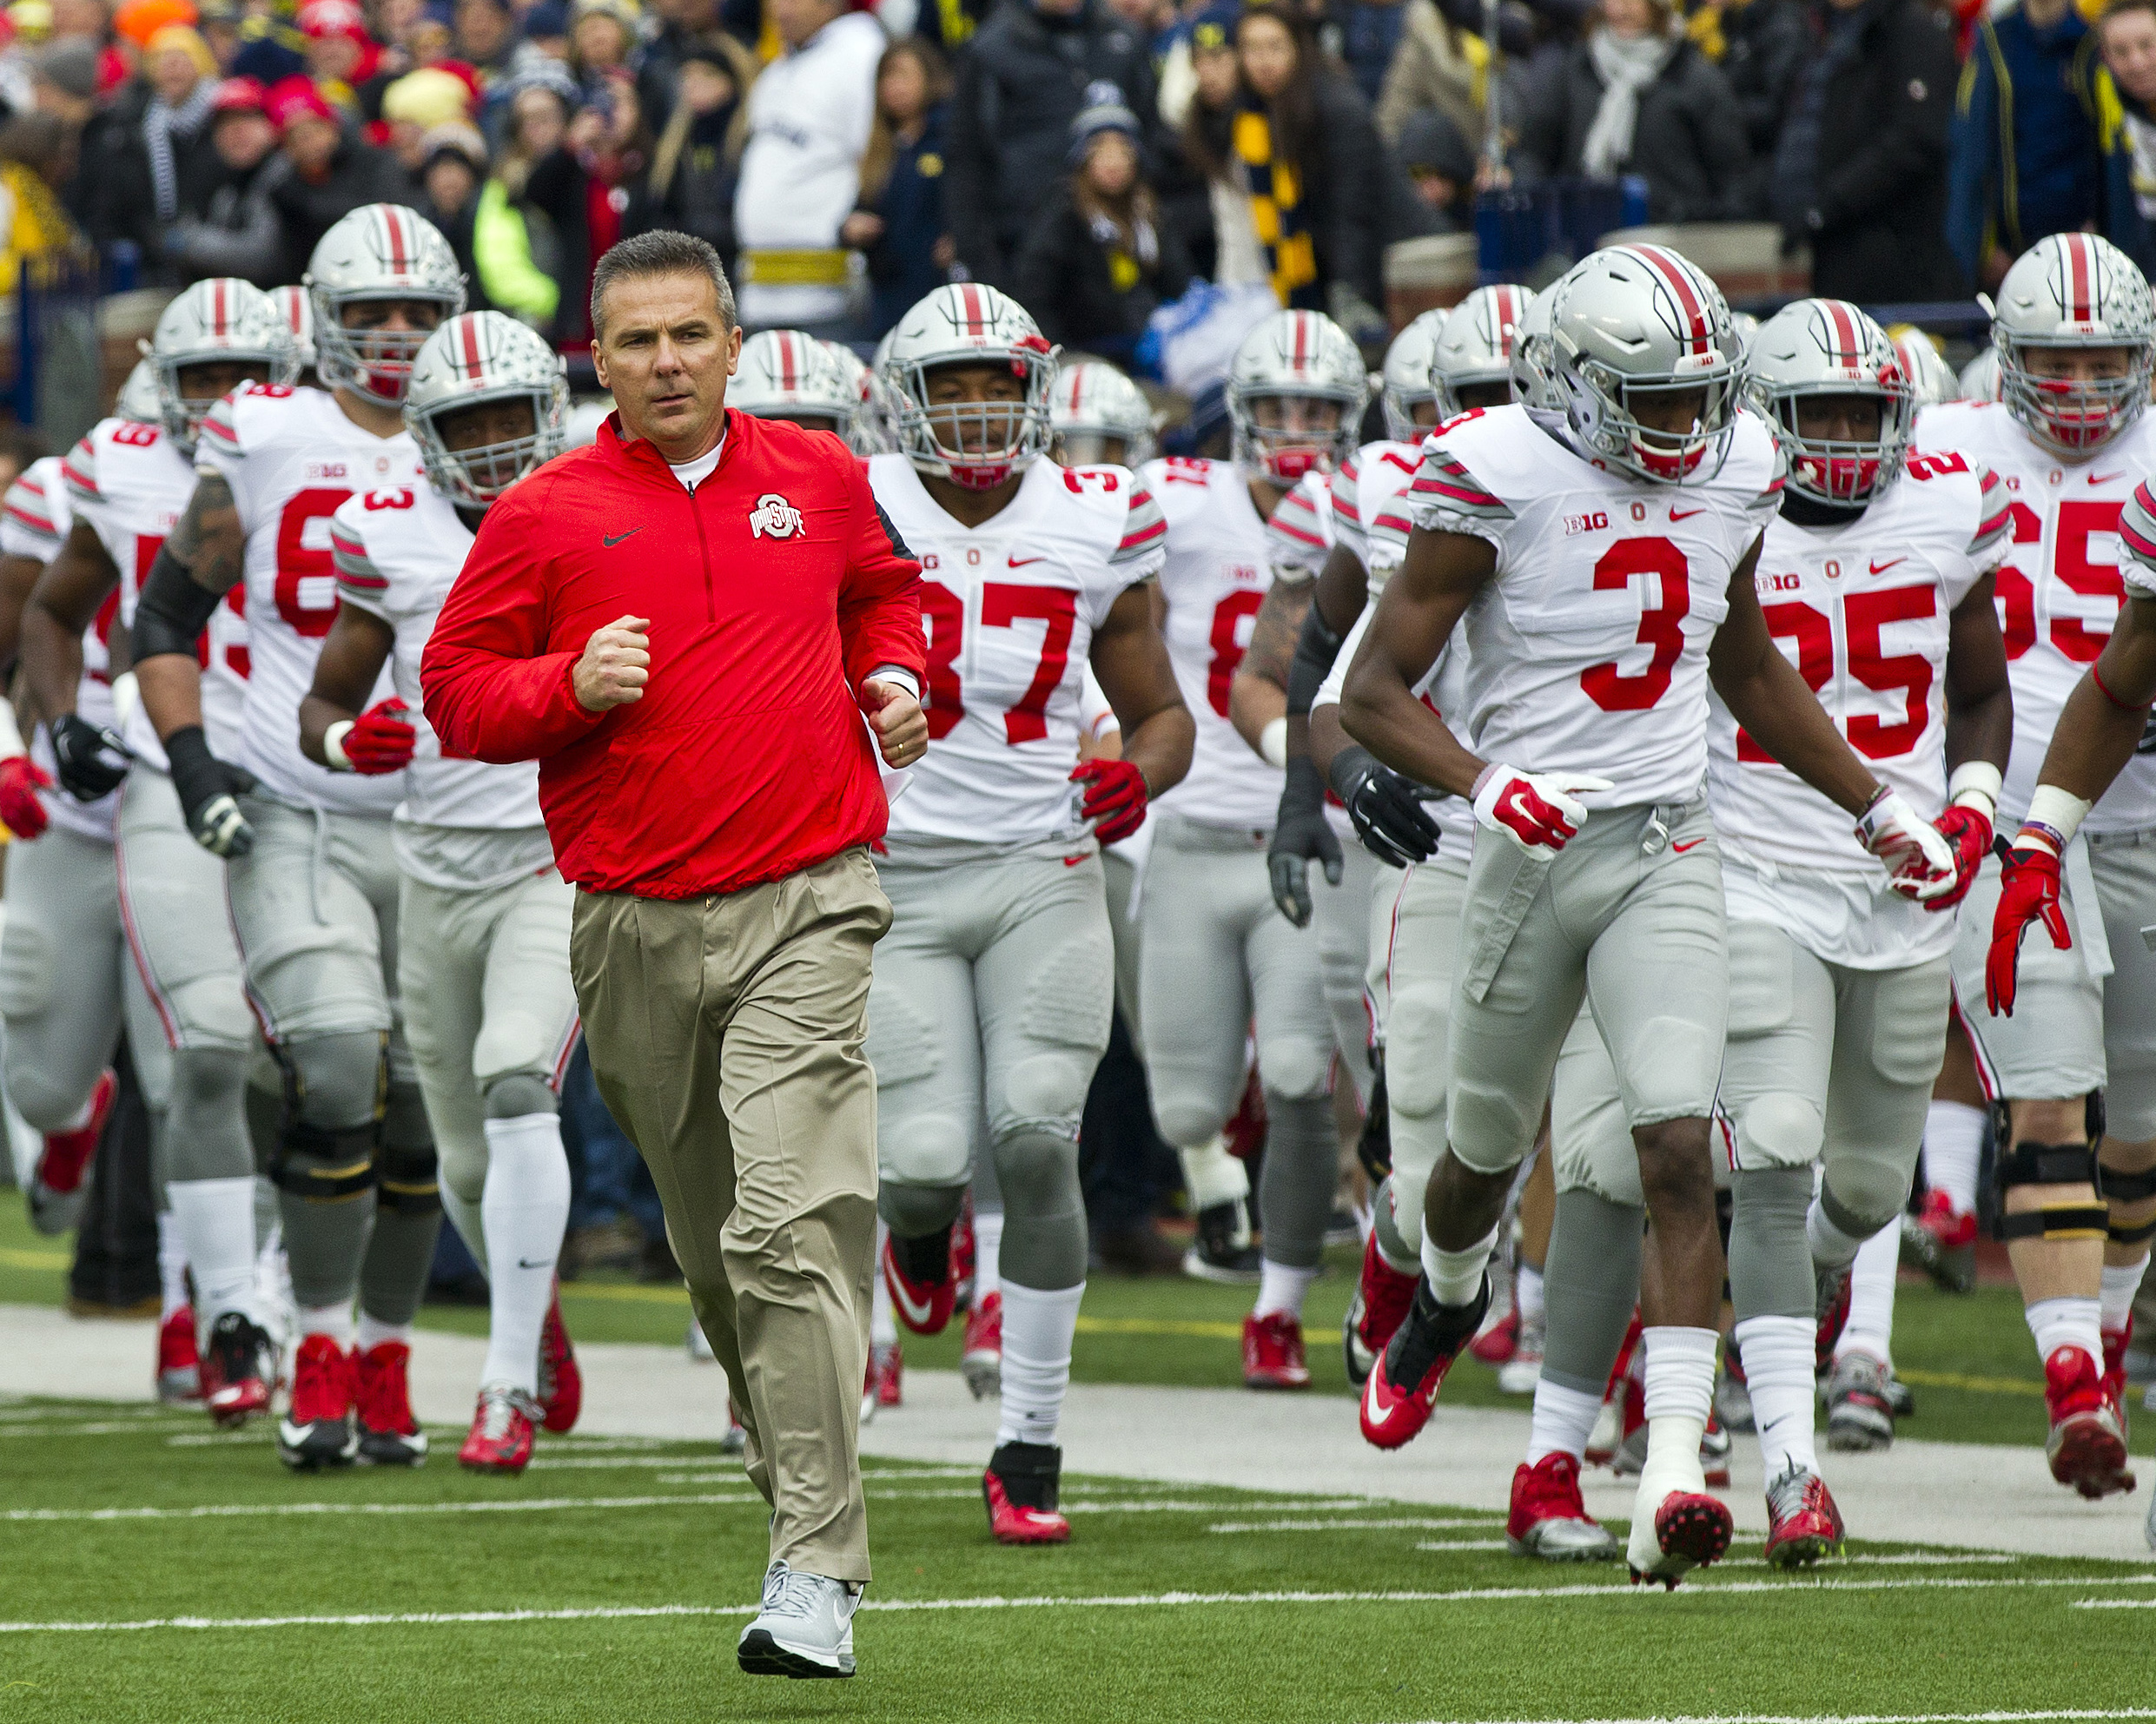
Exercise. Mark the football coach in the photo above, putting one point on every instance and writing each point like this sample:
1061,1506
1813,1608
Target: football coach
685,625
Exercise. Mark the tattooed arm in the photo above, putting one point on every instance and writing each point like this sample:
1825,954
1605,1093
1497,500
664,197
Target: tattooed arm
1258,694
204,559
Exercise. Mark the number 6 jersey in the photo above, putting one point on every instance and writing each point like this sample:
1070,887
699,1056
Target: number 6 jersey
1010,607
292,457
1588,649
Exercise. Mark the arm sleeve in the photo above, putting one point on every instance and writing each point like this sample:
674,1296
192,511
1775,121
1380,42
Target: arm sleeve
1295,538
1348,526
1988,549
222,449
879,602
1447,498
1143,547
491,689
359,582
26,525
2137,538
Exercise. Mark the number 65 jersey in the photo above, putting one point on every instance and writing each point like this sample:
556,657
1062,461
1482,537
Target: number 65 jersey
292,458
1010,607
1588,649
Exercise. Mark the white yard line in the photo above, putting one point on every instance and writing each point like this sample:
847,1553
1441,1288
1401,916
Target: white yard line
214,1511
1420,1523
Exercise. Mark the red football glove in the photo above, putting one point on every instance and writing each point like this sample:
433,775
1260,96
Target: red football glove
21,811
1115,798
379,740
1535,810
2028,889
1969,834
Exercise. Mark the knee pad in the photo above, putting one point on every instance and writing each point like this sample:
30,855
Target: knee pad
1296,1070
2118,1186
514,1094
408,1180
1188,1122
928,1149
206,1123
2051,1164
1862,1196
322,1166
911,1212
1049,1088
336,1082
1415,1041
26,970
1783,1130
1771,1263
208,1079
1038,1174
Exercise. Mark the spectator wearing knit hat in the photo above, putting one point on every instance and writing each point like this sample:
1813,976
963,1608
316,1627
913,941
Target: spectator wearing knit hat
1100,262
333,171
417,103
238,231
592,191
164,166
602,40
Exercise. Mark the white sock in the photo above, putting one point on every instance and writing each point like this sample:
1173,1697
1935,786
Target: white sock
1831,1247
1680,1392
1456,1277
1037,1331
1953,1144
1870,1327
988,1254
335,1321
2121,1282
882,1325
1280,1288
374,1332
2068,1322
171,1265
216,1218
1212,1176
1564,1418
1527,1293
1777,1355
523,1208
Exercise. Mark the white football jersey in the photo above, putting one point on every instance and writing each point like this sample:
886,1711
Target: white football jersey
1010,607
1370,505
1863,611
292,458
1214,580
2060,585
131,484
1300,536
1587,652
36,518
398,554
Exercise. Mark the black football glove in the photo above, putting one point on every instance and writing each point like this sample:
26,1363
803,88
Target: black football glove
1385,807
209,790
86,757
1302,834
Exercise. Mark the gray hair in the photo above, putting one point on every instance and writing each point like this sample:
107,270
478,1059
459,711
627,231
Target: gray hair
661,252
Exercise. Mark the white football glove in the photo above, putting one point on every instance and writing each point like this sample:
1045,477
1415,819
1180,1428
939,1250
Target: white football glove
1535,810
1920,861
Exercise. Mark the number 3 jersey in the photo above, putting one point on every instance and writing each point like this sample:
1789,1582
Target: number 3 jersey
1863,609
292,458
1010,607
2059,588
463,824
1588,649
130,482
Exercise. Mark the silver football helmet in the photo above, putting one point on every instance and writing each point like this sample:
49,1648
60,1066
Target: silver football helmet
1404,382
476,358
221,320
1744,326
1301,361
140,400
1476,350
1092,405
860,432
381,251
786,374
1931,379
1534,383
1635,326
298,311
976,443
1828,347
1980,377
2075,290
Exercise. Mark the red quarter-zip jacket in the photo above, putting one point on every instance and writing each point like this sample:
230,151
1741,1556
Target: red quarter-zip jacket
772,591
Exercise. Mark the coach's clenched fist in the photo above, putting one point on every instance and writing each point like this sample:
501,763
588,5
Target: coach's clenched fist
617,663
901,728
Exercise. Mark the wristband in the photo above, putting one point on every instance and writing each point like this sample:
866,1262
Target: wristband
1976,784
2057,810
333,745
11,732
1273,742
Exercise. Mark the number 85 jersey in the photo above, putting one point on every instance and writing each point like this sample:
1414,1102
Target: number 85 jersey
1588,649
292,458
1010,607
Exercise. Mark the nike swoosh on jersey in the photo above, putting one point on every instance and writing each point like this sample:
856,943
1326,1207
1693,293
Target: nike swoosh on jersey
1686,516
609,540
1681,848
2105,477
1881,568
1020,562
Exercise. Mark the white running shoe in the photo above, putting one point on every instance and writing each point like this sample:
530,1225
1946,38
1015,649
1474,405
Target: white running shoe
1519,1374
806,1627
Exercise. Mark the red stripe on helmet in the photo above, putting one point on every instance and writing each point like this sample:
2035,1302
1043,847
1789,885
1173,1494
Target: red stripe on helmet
1300,355
972,308
1842,323
786,379
398,262
470,332
2080,273
1676,278
217,312
1505,309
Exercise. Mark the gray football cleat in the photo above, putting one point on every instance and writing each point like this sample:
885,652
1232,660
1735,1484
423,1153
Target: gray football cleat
806,1627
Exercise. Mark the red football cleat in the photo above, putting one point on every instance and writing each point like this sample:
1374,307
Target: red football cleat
1379,1307
179,1366
1396,1400
2087,1446
925,1307
1549,1517
55,1192
560,1378
1802,1523
1273,1352
886,1367
502,1429
238,1367
1020,1488
1690,1530
381,1398
981,1362
1832,1313
2116,1341
1497,1344
316,1430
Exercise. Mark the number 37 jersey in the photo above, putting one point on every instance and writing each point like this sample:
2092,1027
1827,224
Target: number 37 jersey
292,458
1010,607
1588,649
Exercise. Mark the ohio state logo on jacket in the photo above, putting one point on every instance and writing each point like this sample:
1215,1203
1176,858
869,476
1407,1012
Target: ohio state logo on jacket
774,515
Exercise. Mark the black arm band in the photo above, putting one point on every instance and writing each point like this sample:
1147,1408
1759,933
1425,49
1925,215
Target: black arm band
173,611
1350,767
1316,647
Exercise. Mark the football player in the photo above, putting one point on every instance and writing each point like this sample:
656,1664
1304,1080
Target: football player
482,915
993,989
1605,567
1100,417
297,308
310,873
1216,954
130,482
2069,1045
785,374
